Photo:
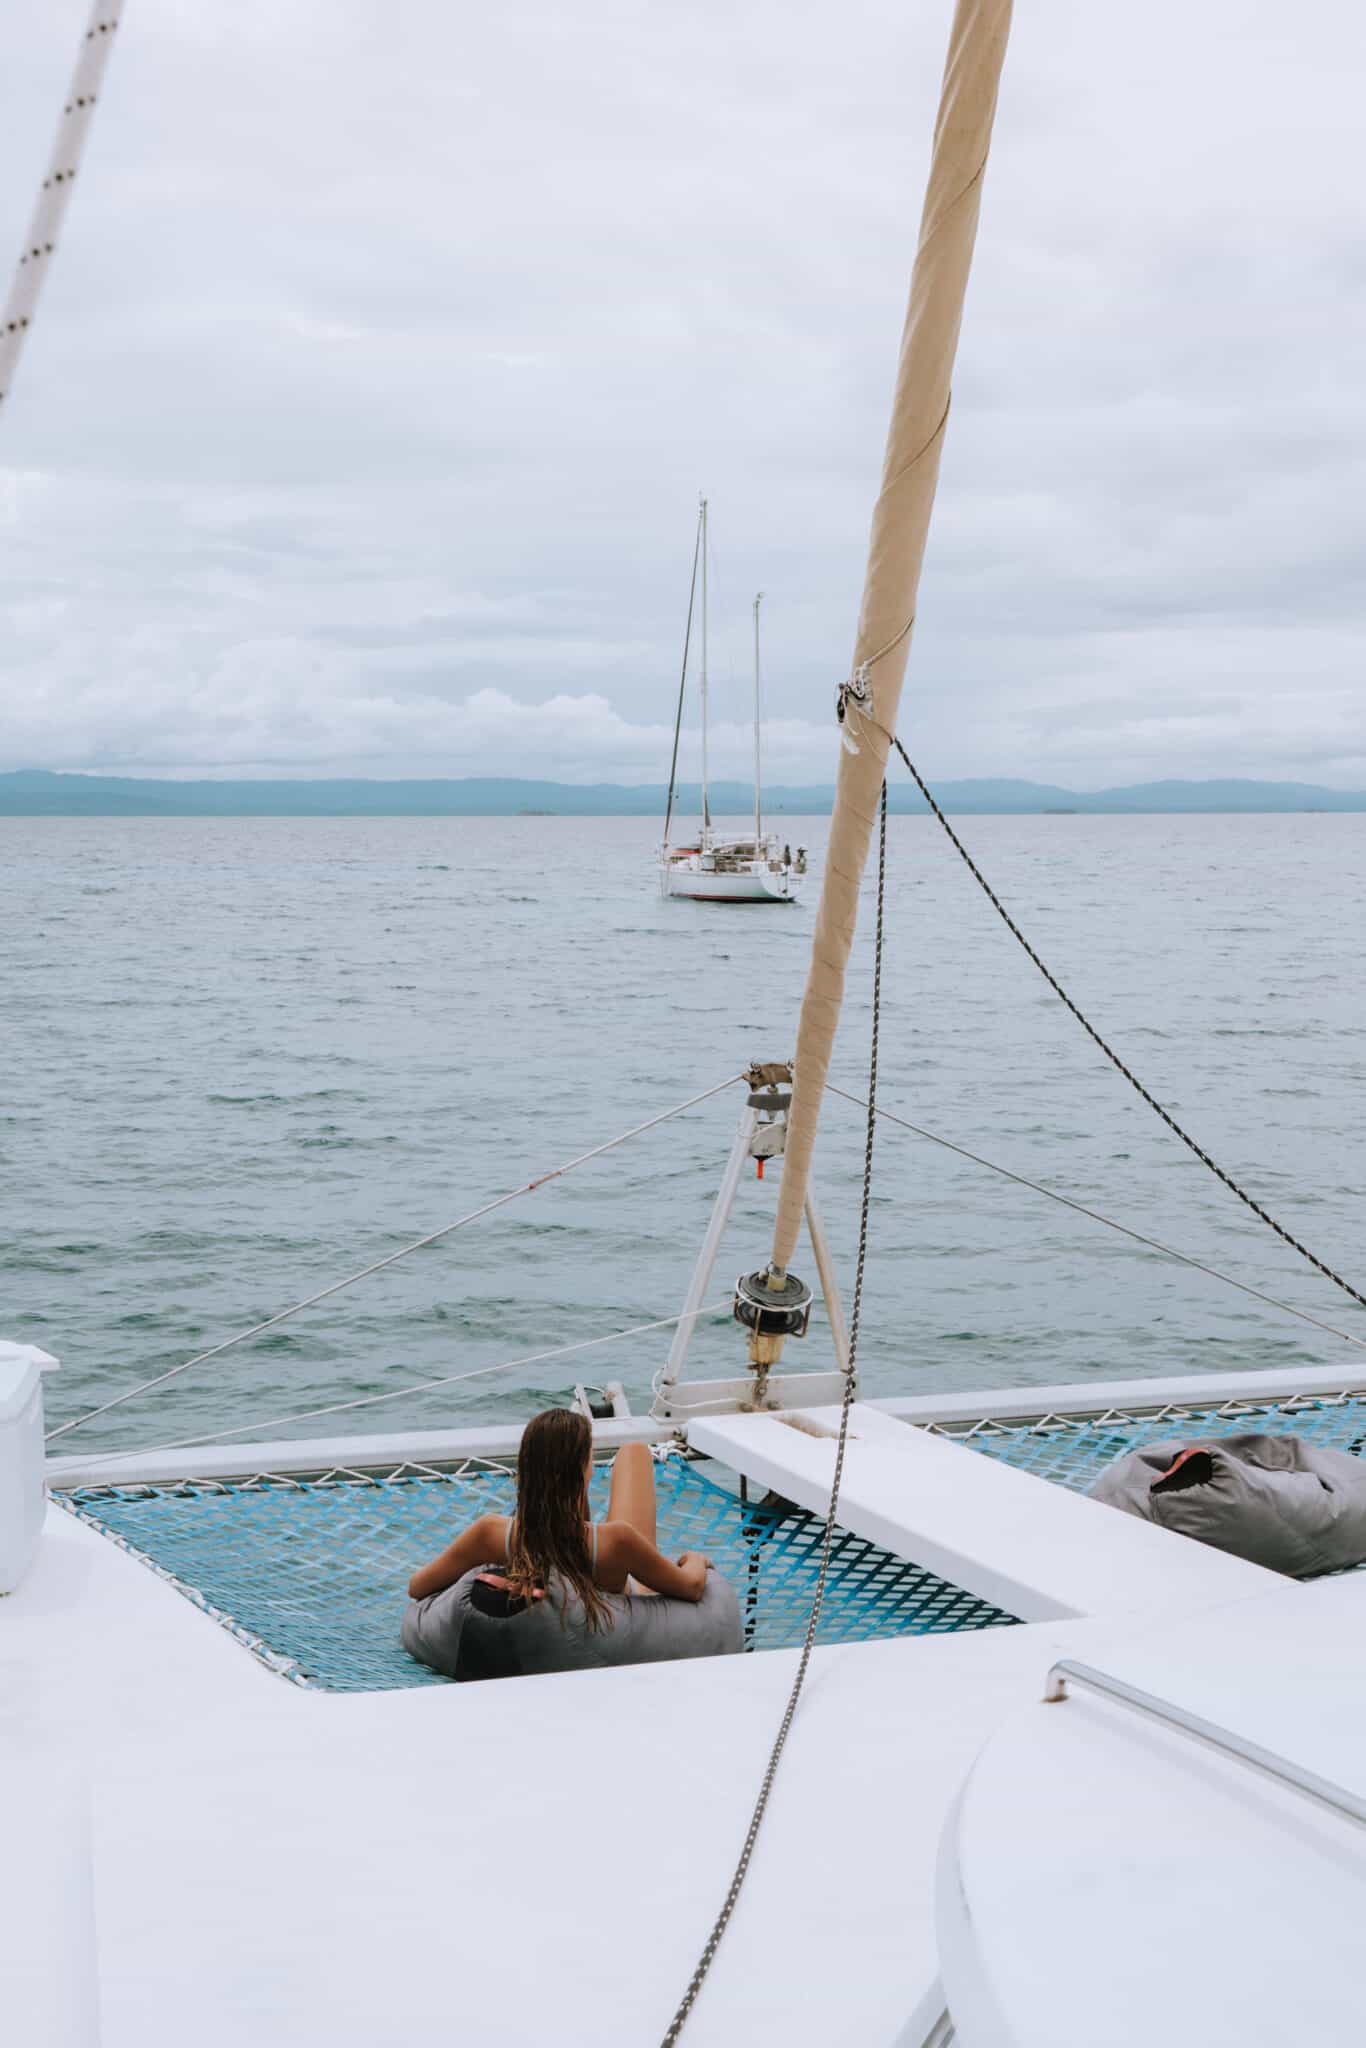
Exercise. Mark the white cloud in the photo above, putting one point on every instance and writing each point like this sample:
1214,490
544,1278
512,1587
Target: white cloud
362,424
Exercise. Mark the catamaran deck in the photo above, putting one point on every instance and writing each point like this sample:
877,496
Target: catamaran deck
302,1550
265,1860
278,1864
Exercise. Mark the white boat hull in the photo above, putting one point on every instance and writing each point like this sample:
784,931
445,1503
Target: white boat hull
754,885
731,873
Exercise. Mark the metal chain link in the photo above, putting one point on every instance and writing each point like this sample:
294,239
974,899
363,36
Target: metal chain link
713,1942
1168,1119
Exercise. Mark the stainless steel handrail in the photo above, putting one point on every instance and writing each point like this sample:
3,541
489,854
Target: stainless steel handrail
1069,1671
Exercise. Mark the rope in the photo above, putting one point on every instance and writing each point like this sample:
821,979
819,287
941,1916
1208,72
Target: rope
397,1393
728,1905
1168,1119
1098,1216
419,1244
54,194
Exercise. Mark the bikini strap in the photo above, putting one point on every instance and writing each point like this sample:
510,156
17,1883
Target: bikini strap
594,1527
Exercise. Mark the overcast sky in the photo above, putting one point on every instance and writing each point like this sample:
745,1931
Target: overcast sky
388,347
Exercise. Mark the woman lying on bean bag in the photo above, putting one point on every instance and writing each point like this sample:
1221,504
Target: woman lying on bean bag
548,1589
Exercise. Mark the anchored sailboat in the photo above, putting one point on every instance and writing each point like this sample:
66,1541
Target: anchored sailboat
712,866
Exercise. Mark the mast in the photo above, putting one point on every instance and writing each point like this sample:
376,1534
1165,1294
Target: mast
702,529
901,518
758,812
54,195
682,685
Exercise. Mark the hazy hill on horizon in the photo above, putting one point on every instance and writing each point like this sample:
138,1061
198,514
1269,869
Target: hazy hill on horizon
40,792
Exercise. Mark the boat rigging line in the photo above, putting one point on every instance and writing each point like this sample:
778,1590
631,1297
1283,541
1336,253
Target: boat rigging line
683,681
1155,1244
54,194
1191,1144
410,1387
418,1244
756,1819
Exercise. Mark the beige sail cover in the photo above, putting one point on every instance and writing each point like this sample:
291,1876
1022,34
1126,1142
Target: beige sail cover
901,521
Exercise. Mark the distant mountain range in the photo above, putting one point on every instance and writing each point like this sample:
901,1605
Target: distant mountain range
37,792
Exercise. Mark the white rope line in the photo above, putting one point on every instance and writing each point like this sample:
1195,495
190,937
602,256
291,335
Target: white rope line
411,1387
1097,1216
54,194
418,1244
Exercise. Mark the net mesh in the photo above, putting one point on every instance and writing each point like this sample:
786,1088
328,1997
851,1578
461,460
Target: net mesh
309,1575
1073,1450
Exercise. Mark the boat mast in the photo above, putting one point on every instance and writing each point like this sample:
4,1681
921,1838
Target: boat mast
702,529
869,702
758,815
682,685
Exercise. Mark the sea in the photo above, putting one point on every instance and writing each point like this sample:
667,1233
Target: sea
245,1058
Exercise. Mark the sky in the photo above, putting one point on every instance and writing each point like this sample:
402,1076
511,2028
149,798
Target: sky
362,425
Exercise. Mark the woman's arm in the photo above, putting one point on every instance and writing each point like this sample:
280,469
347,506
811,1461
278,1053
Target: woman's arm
635,1555
484,1542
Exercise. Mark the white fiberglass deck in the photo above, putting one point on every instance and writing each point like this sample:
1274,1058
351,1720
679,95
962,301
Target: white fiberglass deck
250,1860
1021,1542
283,1865
1173,1887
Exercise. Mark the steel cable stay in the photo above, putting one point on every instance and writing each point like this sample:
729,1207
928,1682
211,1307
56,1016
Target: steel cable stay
101,1458
377,1266
1178,1130
1155,1244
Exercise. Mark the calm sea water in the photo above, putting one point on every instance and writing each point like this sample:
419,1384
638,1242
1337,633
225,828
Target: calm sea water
243,1058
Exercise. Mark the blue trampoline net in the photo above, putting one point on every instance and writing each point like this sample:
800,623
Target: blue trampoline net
310,1574
1073,1450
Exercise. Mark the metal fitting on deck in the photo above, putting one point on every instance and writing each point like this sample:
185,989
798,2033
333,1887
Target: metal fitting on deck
768,1140
772,1307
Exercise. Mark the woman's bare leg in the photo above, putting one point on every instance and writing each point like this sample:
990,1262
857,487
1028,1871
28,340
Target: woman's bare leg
632,1498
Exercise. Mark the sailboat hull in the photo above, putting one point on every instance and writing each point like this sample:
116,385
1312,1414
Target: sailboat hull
750,882
756,887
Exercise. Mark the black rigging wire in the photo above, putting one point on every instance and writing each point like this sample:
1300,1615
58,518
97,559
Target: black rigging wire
1191,1144
756,1820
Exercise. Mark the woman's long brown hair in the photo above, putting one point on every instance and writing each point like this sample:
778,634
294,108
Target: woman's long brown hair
550,1527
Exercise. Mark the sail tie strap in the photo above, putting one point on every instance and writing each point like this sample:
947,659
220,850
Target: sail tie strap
1178,1130
854,697
854,702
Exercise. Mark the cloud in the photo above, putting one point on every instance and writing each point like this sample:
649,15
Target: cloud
361,427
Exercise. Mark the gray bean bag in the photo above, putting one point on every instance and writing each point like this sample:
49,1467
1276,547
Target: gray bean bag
1275,1500
448,1632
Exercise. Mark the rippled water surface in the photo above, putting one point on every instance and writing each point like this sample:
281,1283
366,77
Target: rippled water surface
245,1057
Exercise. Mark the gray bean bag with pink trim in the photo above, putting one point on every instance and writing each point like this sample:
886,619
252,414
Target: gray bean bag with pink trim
1279,1501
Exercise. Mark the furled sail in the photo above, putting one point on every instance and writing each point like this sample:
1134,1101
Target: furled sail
901,521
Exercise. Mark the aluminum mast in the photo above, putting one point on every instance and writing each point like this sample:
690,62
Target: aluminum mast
758,812
706,809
